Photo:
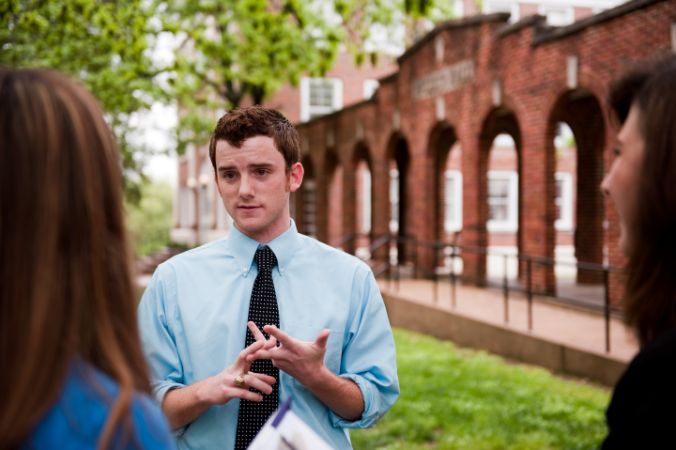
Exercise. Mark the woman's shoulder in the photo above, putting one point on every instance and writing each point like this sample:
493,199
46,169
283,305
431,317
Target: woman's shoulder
640,410
78,416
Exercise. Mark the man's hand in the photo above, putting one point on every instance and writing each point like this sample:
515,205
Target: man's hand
302,360
235,380
182,406
305,362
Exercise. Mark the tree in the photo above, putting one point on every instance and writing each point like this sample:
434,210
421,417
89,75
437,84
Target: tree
231,50
102,43
150,220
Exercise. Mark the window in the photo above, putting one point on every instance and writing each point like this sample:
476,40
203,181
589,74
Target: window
394,200
370,88
365,201
508,6
452,201
502,201
564,201
558,16
309,212
319,96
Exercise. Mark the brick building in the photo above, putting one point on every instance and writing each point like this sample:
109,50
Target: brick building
465,83
479,111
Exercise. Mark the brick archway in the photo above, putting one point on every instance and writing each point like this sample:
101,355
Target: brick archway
501,120
363,204
398,167
581,110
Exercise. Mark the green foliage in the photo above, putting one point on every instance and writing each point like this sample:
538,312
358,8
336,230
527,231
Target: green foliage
150,219
102,43
230,50
459,399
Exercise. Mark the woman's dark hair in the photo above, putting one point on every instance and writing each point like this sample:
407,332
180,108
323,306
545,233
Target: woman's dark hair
66,286
650,297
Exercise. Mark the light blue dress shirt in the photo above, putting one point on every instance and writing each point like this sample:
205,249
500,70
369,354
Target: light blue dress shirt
193,322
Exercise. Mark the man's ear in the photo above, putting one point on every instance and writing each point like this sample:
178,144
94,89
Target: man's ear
296,176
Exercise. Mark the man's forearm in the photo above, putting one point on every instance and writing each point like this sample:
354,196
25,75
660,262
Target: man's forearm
184,405
339,394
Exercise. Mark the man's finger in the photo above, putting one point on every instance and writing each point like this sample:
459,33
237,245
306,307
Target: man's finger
281,336
257,334
260,354
254,347
322,338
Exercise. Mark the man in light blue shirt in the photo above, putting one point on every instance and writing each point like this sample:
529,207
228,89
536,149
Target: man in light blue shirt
336,354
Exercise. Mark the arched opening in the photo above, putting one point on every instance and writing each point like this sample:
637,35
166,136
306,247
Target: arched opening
334,176
501,194
444,154
398,167
442,139
363,205
576,208
503,209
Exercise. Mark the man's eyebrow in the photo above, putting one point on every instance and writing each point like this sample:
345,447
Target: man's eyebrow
260,165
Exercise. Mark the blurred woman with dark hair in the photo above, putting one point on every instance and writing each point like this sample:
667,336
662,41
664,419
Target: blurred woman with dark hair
642,186
73,374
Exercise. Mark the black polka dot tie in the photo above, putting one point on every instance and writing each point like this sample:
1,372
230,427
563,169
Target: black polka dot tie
262,311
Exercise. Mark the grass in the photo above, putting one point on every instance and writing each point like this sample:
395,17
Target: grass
454,398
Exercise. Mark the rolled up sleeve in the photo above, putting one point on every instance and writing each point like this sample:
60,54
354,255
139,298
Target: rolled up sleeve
369,357
157,336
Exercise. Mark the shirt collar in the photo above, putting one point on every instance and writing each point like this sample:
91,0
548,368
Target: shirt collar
244,248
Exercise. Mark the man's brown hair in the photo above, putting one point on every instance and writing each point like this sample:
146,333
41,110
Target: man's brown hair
241,124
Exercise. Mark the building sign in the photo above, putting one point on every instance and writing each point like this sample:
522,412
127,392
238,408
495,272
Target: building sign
444,80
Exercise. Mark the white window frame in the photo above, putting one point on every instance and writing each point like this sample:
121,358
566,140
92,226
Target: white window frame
370,87
453,224
306,110
565,223
512,222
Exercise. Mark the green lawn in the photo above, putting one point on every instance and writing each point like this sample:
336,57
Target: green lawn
455,398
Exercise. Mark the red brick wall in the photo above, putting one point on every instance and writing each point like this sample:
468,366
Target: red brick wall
529,63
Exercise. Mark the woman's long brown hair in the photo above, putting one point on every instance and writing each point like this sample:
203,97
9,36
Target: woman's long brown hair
650,298
66,287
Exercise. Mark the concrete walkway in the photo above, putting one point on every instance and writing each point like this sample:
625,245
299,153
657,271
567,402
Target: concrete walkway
572,328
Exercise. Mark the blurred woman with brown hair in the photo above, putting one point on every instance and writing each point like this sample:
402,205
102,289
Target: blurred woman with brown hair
73,374
642,186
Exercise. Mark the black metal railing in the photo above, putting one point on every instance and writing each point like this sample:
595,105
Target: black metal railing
393,263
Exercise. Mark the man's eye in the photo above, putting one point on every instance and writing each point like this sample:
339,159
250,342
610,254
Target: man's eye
261,172
228,175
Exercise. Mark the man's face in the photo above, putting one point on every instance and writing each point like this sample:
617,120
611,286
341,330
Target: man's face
255,185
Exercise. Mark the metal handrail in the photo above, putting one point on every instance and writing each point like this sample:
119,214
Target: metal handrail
528,262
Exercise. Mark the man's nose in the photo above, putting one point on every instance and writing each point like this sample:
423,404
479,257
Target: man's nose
245,187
